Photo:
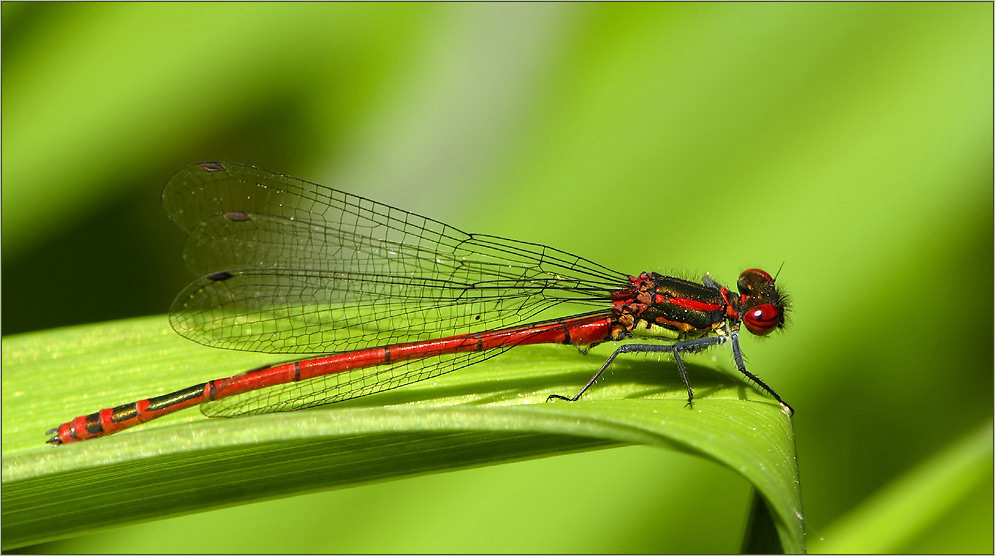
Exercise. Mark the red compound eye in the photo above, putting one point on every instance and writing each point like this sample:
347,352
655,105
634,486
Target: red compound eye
762,319
758,274
754,280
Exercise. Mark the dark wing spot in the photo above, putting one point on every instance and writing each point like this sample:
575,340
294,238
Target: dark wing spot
212,166
219,276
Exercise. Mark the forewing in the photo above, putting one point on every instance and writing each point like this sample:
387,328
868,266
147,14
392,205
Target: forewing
295,267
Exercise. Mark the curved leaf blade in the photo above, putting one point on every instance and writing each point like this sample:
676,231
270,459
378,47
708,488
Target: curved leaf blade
488,413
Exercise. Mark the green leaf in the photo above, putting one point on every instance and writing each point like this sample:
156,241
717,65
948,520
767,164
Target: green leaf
492,412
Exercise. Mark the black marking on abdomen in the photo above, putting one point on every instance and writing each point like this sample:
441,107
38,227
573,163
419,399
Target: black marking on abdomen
159,403
124,412
92,424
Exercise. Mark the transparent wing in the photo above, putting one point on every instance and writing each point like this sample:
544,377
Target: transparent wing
295,267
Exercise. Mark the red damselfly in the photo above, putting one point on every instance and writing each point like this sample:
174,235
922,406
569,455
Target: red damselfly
391,298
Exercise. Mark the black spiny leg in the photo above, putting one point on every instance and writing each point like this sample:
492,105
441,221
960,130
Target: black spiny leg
688,346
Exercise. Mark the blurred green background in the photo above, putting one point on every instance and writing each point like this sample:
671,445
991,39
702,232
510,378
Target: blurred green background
851,142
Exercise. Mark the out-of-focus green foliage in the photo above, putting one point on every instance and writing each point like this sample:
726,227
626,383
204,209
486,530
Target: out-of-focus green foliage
942,487
850,142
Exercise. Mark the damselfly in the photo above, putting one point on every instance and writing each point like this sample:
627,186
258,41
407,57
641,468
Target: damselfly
391,298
